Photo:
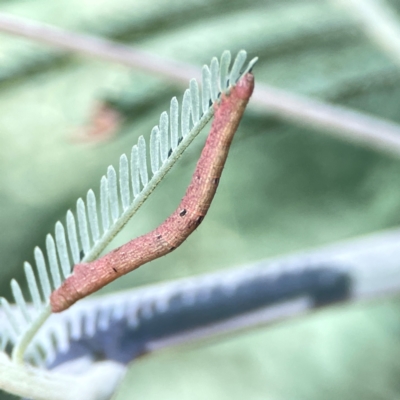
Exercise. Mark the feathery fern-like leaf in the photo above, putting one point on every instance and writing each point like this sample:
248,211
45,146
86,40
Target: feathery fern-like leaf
121,194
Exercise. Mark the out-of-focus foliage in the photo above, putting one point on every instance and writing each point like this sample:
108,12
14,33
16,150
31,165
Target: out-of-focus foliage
285,187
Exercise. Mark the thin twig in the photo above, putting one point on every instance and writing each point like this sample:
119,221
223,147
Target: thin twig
341,122
379,22
373,132
98,47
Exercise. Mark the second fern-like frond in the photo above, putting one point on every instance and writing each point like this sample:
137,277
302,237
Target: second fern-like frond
121,195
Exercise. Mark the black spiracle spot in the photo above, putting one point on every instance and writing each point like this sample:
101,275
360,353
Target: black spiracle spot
199,220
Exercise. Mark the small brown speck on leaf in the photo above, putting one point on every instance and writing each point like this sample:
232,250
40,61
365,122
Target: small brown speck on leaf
199,219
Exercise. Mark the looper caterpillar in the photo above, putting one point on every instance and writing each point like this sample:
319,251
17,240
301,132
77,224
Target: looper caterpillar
90,277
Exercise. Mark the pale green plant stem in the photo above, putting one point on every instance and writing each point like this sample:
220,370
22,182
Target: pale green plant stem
379,22
340,122
22,344
97,47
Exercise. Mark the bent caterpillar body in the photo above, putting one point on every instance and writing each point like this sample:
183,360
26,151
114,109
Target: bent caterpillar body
90,277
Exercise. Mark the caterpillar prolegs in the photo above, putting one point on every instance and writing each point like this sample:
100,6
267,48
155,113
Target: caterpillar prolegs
90,277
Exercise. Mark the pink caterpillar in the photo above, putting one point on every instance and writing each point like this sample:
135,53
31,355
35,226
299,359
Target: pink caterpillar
90,277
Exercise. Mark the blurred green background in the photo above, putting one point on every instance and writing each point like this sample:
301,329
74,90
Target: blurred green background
285,188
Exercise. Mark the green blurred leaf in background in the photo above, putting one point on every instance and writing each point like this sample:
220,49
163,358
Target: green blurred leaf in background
285,187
